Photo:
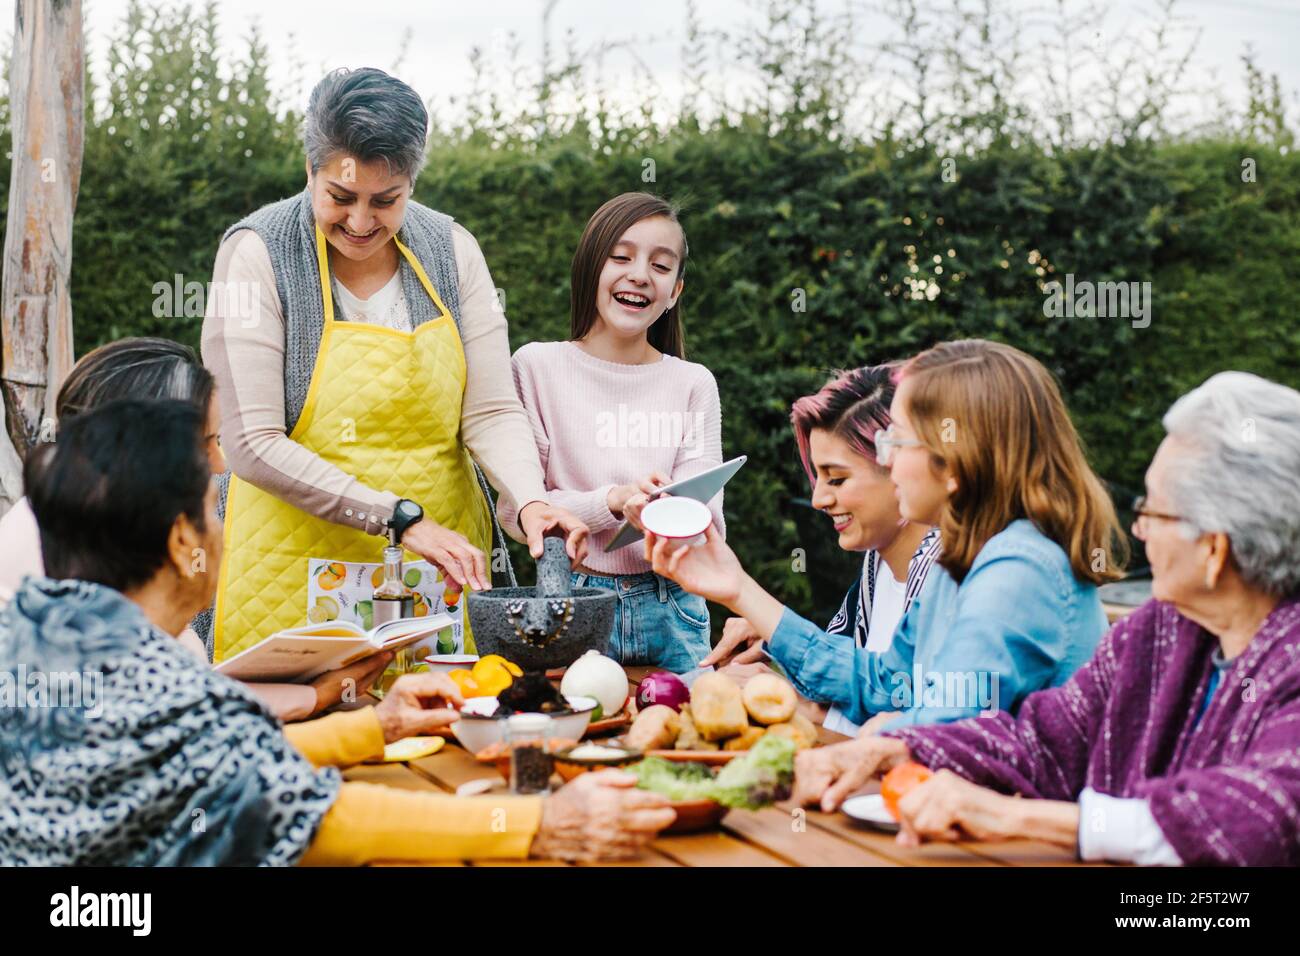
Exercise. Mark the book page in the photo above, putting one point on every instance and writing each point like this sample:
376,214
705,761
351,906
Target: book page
292,658
343,591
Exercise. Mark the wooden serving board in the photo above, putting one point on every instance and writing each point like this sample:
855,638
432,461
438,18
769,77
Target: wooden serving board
712,758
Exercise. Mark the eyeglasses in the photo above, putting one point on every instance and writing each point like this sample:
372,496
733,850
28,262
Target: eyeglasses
886,443
1141,514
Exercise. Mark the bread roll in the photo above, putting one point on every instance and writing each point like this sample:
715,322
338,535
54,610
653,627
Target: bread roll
769,699
717,707
798,729
688,738
655,728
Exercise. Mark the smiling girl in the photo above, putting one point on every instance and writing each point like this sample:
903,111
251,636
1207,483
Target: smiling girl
617,412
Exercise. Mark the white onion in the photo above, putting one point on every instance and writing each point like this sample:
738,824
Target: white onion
595,675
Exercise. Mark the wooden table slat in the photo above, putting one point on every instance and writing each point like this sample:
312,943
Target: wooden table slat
884,845
779,832
397,775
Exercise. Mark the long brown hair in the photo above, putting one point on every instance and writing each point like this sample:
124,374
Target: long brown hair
996,418
604,229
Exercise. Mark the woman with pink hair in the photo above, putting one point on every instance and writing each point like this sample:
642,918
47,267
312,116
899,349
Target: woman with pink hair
835,431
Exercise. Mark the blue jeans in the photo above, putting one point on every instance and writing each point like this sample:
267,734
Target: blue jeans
656,621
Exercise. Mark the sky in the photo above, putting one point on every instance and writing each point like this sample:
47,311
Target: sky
324,34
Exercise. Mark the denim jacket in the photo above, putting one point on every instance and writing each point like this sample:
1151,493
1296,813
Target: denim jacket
1019,622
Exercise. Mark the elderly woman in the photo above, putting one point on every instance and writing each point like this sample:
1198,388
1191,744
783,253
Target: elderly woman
361,358
1179,742
130,750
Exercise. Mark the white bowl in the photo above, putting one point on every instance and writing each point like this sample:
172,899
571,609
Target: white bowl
477,731
680,519
869,808
446,663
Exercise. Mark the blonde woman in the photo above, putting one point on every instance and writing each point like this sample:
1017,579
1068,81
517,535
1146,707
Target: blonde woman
980,444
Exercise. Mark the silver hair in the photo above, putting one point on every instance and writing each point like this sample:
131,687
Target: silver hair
367,114
1241,476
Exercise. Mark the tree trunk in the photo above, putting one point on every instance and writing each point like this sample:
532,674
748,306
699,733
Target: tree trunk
46,91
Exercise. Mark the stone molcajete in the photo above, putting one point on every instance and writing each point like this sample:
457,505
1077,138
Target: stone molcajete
550,625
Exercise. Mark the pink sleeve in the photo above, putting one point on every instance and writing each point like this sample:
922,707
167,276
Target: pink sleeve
588,506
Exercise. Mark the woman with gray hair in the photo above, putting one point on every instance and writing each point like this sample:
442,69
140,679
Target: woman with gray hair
361,359
1179,742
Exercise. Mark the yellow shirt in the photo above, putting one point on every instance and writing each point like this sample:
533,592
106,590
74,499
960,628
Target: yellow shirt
370,822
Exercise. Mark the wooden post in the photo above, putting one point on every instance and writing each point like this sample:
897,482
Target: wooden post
46,93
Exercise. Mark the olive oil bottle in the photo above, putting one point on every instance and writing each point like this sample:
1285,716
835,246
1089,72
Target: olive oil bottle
391,601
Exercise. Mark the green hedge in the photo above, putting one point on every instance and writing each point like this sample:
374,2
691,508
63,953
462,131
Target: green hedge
767,213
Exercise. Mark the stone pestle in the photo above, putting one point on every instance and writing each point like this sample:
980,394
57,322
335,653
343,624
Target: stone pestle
553,579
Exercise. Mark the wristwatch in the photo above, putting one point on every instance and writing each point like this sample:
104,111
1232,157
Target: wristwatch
405,513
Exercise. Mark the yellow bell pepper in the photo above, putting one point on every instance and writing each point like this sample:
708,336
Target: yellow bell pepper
514,669
491,675
464,679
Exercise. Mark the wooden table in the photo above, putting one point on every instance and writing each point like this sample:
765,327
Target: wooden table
783,835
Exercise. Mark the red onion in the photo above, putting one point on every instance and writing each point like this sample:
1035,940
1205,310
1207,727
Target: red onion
661,687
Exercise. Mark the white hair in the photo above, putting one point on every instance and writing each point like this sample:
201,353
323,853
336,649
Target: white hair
1241,476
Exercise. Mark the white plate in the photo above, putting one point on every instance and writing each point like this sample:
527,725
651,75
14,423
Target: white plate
870,808
673,517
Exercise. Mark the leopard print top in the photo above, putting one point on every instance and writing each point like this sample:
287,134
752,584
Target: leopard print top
118,747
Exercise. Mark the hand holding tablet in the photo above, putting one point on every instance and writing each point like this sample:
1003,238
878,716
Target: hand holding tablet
698,488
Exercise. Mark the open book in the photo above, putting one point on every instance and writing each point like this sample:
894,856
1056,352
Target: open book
300,654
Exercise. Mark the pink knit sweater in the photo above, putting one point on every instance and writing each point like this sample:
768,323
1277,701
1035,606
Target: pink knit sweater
598,424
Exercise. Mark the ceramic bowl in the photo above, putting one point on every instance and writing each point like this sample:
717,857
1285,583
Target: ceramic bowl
680,520
569,766
446,663
477,730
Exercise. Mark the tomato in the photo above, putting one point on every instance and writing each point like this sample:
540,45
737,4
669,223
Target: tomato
901,781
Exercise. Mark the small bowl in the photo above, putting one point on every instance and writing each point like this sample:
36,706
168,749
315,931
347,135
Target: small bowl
477,729
695,815
568,766
681,520
446,663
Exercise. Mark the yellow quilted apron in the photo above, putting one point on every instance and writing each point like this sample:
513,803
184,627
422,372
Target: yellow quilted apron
384,406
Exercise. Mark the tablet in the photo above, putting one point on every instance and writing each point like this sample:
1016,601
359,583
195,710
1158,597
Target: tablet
701,487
